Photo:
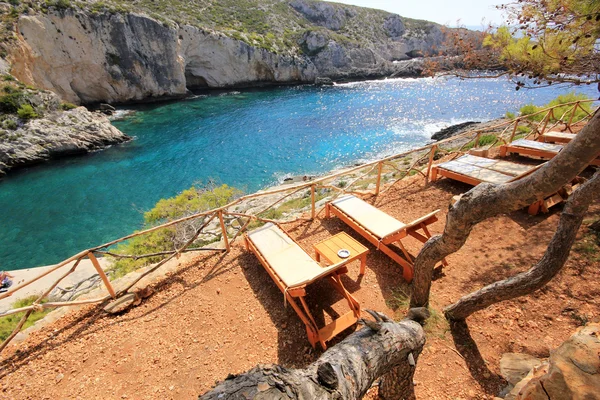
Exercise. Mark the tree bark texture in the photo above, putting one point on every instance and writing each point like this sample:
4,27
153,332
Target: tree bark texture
345,371
487,200
549,265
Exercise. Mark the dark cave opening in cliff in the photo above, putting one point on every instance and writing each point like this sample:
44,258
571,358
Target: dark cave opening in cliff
194,82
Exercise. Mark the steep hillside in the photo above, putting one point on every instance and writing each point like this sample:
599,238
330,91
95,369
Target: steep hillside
122,51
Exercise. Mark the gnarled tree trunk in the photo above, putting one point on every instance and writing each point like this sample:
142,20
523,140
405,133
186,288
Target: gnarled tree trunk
488,200
345,371
549,265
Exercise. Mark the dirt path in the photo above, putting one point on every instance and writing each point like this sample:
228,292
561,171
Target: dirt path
221,314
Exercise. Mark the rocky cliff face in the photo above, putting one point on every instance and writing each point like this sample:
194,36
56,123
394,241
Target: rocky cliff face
56,134
118,58
88,57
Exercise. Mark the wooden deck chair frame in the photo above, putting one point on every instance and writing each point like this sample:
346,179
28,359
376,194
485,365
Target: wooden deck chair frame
383,243
295,296
526,151
556,137
535,208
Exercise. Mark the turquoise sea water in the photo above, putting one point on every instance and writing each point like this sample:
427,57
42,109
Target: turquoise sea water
248,139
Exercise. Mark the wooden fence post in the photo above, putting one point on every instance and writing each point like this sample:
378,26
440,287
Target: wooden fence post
572,116
223,230
512,135
431,155
312,201
477,139
103,276
545,120
379,169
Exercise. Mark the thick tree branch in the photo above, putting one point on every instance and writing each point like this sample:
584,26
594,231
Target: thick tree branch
345,371
488,200
549,265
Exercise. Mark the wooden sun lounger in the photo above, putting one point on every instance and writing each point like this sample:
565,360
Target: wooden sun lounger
292,270
534,148
474,170
381,229
556,137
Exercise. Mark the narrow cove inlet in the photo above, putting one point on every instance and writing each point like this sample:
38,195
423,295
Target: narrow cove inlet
250,140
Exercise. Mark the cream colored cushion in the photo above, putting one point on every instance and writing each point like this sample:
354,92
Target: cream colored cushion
289,261
506,167
373,219
559,135
476,172
532,144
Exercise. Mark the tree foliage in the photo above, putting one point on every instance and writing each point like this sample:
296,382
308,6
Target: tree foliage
558,40
545,41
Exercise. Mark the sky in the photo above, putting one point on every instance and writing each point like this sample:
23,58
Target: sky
446,12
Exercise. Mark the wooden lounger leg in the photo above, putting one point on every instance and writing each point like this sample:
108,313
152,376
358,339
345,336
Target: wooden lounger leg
407,268
408,256
503,150
434,173
311,327
352,302
534,209
327,210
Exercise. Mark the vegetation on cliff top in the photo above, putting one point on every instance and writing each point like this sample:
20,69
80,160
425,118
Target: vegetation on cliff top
275,25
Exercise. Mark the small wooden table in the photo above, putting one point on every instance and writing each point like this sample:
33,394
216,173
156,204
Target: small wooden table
329,248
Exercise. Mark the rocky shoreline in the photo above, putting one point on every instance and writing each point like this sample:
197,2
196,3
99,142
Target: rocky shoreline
57,134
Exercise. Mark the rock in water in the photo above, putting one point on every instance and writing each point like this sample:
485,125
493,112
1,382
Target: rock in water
57,134
320,81
453,130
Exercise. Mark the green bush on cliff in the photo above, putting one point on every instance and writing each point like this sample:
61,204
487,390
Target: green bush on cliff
190,201
10,102
67,106
27,112
571,97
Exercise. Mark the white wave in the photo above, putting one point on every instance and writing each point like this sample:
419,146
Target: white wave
380,81
121,114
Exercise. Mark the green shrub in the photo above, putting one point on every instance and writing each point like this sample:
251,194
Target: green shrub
10,124
27,112
60,4
67,106
484,140
10,103
571,97
10,322
190,201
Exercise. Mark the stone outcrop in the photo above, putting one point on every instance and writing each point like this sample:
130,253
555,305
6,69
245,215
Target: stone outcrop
57,134
117,57
111,58
572,372
453,130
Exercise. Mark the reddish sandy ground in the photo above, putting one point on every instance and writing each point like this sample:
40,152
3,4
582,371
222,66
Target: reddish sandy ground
222,314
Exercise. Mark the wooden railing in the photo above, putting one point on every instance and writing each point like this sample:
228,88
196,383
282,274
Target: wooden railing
232,224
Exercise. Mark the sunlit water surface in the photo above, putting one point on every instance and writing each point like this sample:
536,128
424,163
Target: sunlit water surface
249,139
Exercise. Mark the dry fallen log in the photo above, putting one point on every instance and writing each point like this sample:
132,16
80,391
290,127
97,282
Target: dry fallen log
549,265
487,200
345,371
